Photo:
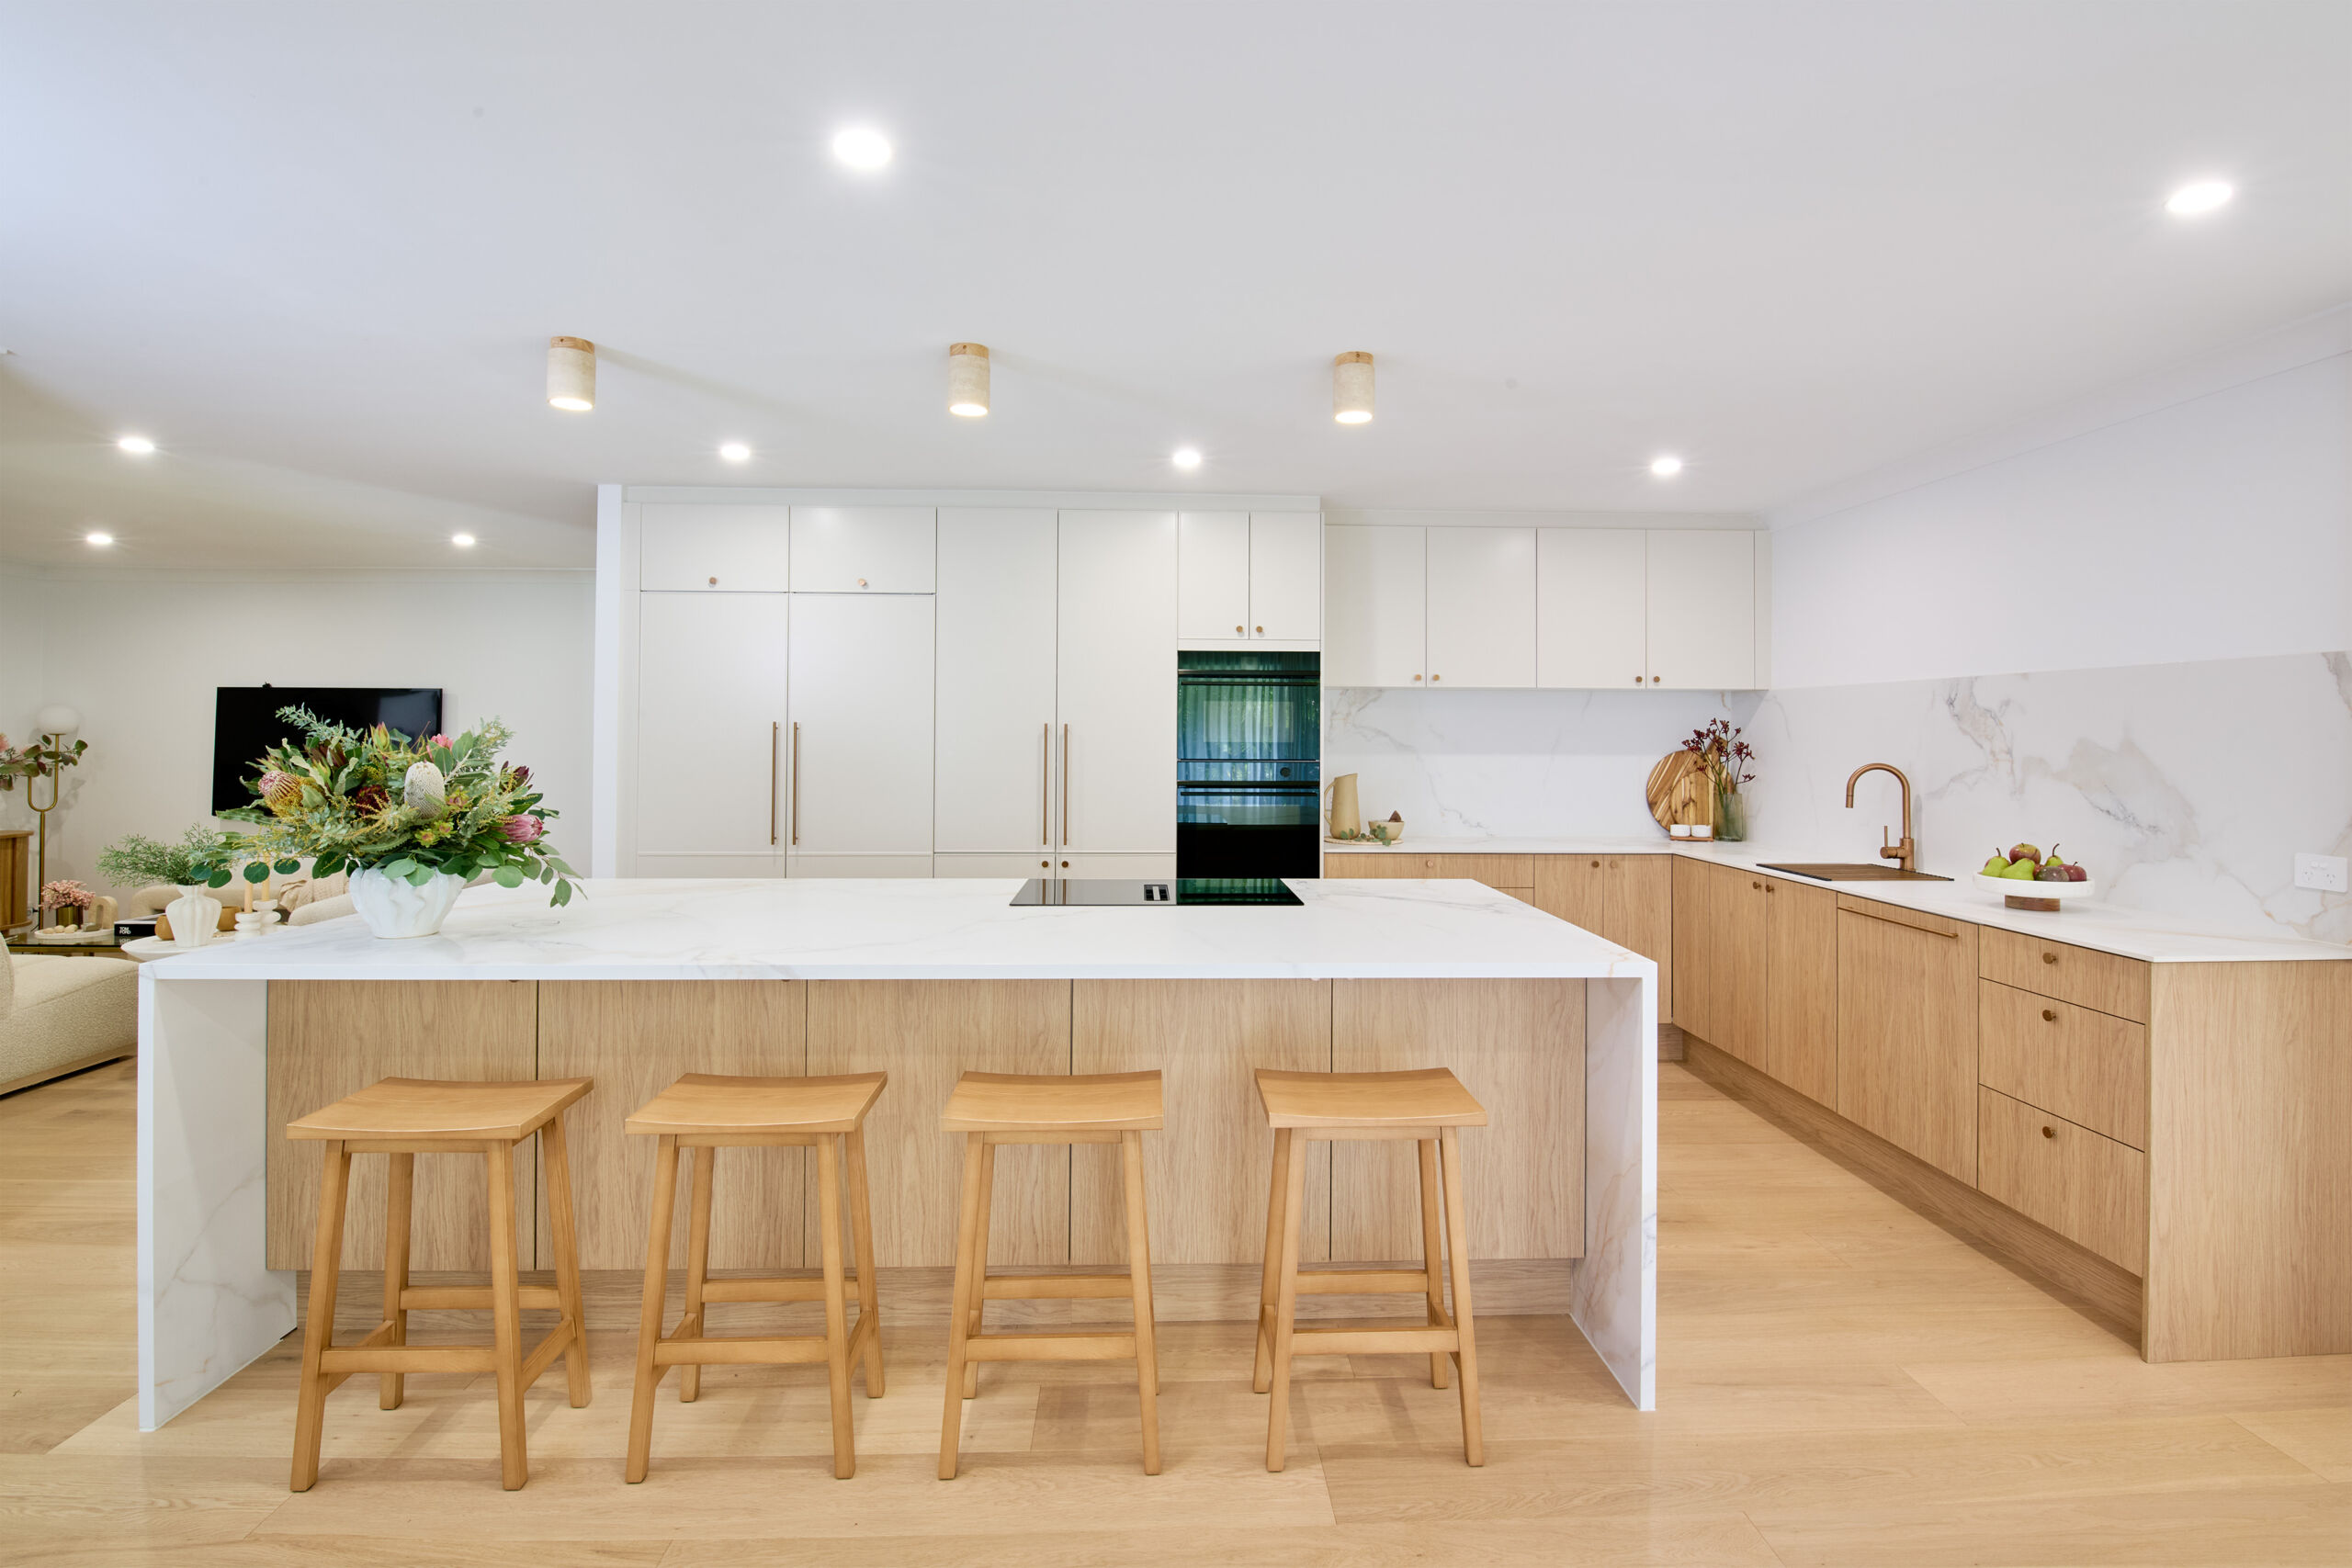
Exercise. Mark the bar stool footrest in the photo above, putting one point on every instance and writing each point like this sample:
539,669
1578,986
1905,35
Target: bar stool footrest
476,1298
1057,1287
1363,1282
1117,1346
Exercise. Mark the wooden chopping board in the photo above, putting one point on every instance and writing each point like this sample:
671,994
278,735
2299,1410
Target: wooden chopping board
1680,791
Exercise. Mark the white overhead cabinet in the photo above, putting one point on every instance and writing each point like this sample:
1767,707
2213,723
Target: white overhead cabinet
859,771
1666,608
696,549
1117,683
1375,628
863,550
1592,607
1702,609
1249,577
1481,606
999,603
711,715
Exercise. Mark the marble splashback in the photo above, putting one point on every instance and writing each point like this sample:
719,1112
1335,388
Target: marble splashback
2185,788
1474,763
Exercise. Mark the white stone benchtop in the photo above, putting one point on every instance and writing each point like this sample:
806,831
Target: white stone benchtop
947,929
2154,937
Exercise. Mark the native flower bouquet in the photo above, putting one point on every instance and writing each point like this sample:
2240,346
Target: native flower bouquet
1726,756
373,800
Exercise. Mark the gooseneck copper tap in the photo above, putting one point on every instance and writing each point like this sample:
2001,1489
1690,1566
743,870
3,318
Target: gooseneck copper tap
1904,854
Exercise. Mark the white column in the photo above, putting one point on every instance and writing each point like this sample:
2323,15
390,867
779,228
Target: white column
208,1305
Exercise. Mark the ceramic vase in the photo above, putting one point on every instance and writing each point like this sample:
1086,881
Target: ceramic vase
392,906
194,916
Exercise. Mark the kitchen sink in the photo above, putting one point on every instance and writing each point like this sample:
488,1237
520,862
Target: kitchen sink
1863,871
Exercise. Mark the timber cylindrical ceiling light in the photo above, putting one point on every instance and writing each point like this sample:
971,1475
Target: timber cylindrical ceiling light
571,374
1351,388
967,379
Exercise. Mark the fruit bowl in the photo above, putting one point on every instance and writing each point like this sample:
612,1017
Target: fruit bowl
2046,897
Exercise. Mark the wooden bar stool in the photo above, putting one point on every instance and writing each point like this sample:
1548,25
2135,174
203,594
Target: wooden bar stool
405,1118
707,1112
989,1108
1427,1106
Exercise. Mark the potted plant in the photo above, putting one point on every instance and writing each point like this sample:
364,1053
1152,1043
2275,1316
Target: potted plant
1726,757
412,822
67,899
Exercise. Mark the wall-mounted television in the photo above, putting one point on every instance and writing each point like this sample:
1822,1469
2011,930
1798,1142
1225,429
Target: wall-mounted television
245,724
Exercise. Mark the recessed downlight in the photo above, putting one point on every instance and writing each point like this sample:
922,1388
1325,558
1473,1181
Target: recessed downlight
2198,197
99,537
138,445
1666,465
735,452
861,147
463,541
1185,456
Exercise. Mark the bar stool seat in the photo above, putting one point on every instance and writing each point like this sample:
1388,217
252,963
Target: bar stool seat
1428,1106
990,1109
402,1118
707,1112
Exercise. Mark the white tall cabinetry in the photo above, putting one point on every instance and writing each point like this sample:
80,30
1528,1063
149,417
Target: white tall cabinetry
1115,691
859,773
710,745
998,602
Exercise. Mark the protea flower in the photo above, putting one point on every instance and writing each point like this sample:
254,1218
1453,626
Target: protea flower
423,791
438,740
281,792
522,829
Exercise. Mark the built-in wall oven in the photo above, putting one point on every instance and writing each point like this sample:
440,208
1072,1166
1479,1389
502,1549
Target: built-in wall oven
1248,767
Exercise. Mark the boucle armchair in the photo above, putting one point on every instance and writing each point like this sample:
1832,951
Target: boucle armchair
59,1015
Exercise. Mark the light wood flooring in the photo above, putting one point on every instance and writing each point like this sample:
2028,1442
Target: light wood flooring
1839,1381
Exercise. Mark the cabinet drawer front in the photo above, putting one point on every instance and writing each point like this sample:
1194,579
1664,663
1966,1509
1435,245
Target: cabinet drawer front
2077,975
2089,1189
1511,873
2087,1066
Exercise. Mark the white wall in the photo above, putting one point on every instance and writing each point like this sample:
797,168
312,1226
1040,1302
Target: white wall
21,653
147,649
2219,527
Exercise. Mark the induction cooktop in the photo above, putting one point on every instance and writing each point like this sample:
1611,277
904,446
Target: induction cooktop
1106,892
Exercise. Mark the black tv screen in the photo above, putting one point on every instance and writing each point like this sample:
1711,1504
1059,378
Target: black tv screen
245,724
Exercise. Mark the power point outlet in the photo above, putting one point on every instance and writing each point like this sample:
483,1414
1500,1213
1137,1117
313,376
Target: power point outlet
2321,874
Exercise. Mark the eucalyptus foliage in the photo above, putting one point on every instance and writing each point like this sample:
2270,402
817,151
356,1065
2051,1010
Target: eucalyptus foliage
136,860
375,800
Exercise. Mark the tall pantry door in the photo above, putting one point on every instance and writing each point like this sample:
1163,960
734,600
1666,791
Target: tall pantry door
1117,731
997,616
860,722
711,710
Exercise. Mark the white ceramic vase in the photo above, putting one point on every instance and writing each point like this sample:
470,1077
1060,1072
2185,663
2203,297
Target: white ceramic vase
194,916
393,907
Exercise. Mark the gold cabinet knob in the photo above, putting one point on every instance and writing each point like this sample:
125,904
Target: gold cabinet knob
2050,958
2048,1132
2048,1016
1437,677
861,583
1261,631
1236,631
713,582
1417,677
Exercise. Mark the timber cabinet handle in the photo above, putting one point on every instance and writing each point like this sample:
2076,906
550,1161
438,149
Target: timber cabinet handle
2050,958
2048,1016
2048,1132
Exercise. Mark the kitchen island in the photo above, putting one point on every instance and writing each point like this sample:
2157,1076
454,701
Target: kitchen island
638,981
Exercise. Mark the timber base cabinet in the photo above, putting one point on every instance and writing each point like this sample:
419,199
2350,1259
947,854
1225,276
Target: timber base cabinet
2171,1141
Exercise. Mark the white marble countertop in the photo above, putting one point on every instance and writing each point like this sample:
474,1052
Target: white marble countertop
2089,922
839,929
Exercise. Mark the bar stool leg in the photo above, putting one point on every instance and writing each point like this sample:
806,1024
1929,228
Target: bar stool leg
1432,1252
959,1327
1139,1276
861,1235
567,1258
837,1366
649,1319
1285,1305
318,1333
506,1318
980,1263
1261,1374
399,1187
698,1267
1457,1243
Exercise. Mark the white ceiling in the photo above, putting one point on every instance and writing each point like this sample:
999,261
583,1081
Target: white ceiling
316,251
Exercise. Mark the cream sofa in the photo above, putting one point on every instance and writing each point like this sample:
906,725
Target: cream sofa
59,1015
306,901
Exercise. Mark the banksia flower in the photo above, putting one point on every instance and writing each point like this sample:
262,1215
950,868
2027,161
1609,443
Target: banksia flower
423,791
281,792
